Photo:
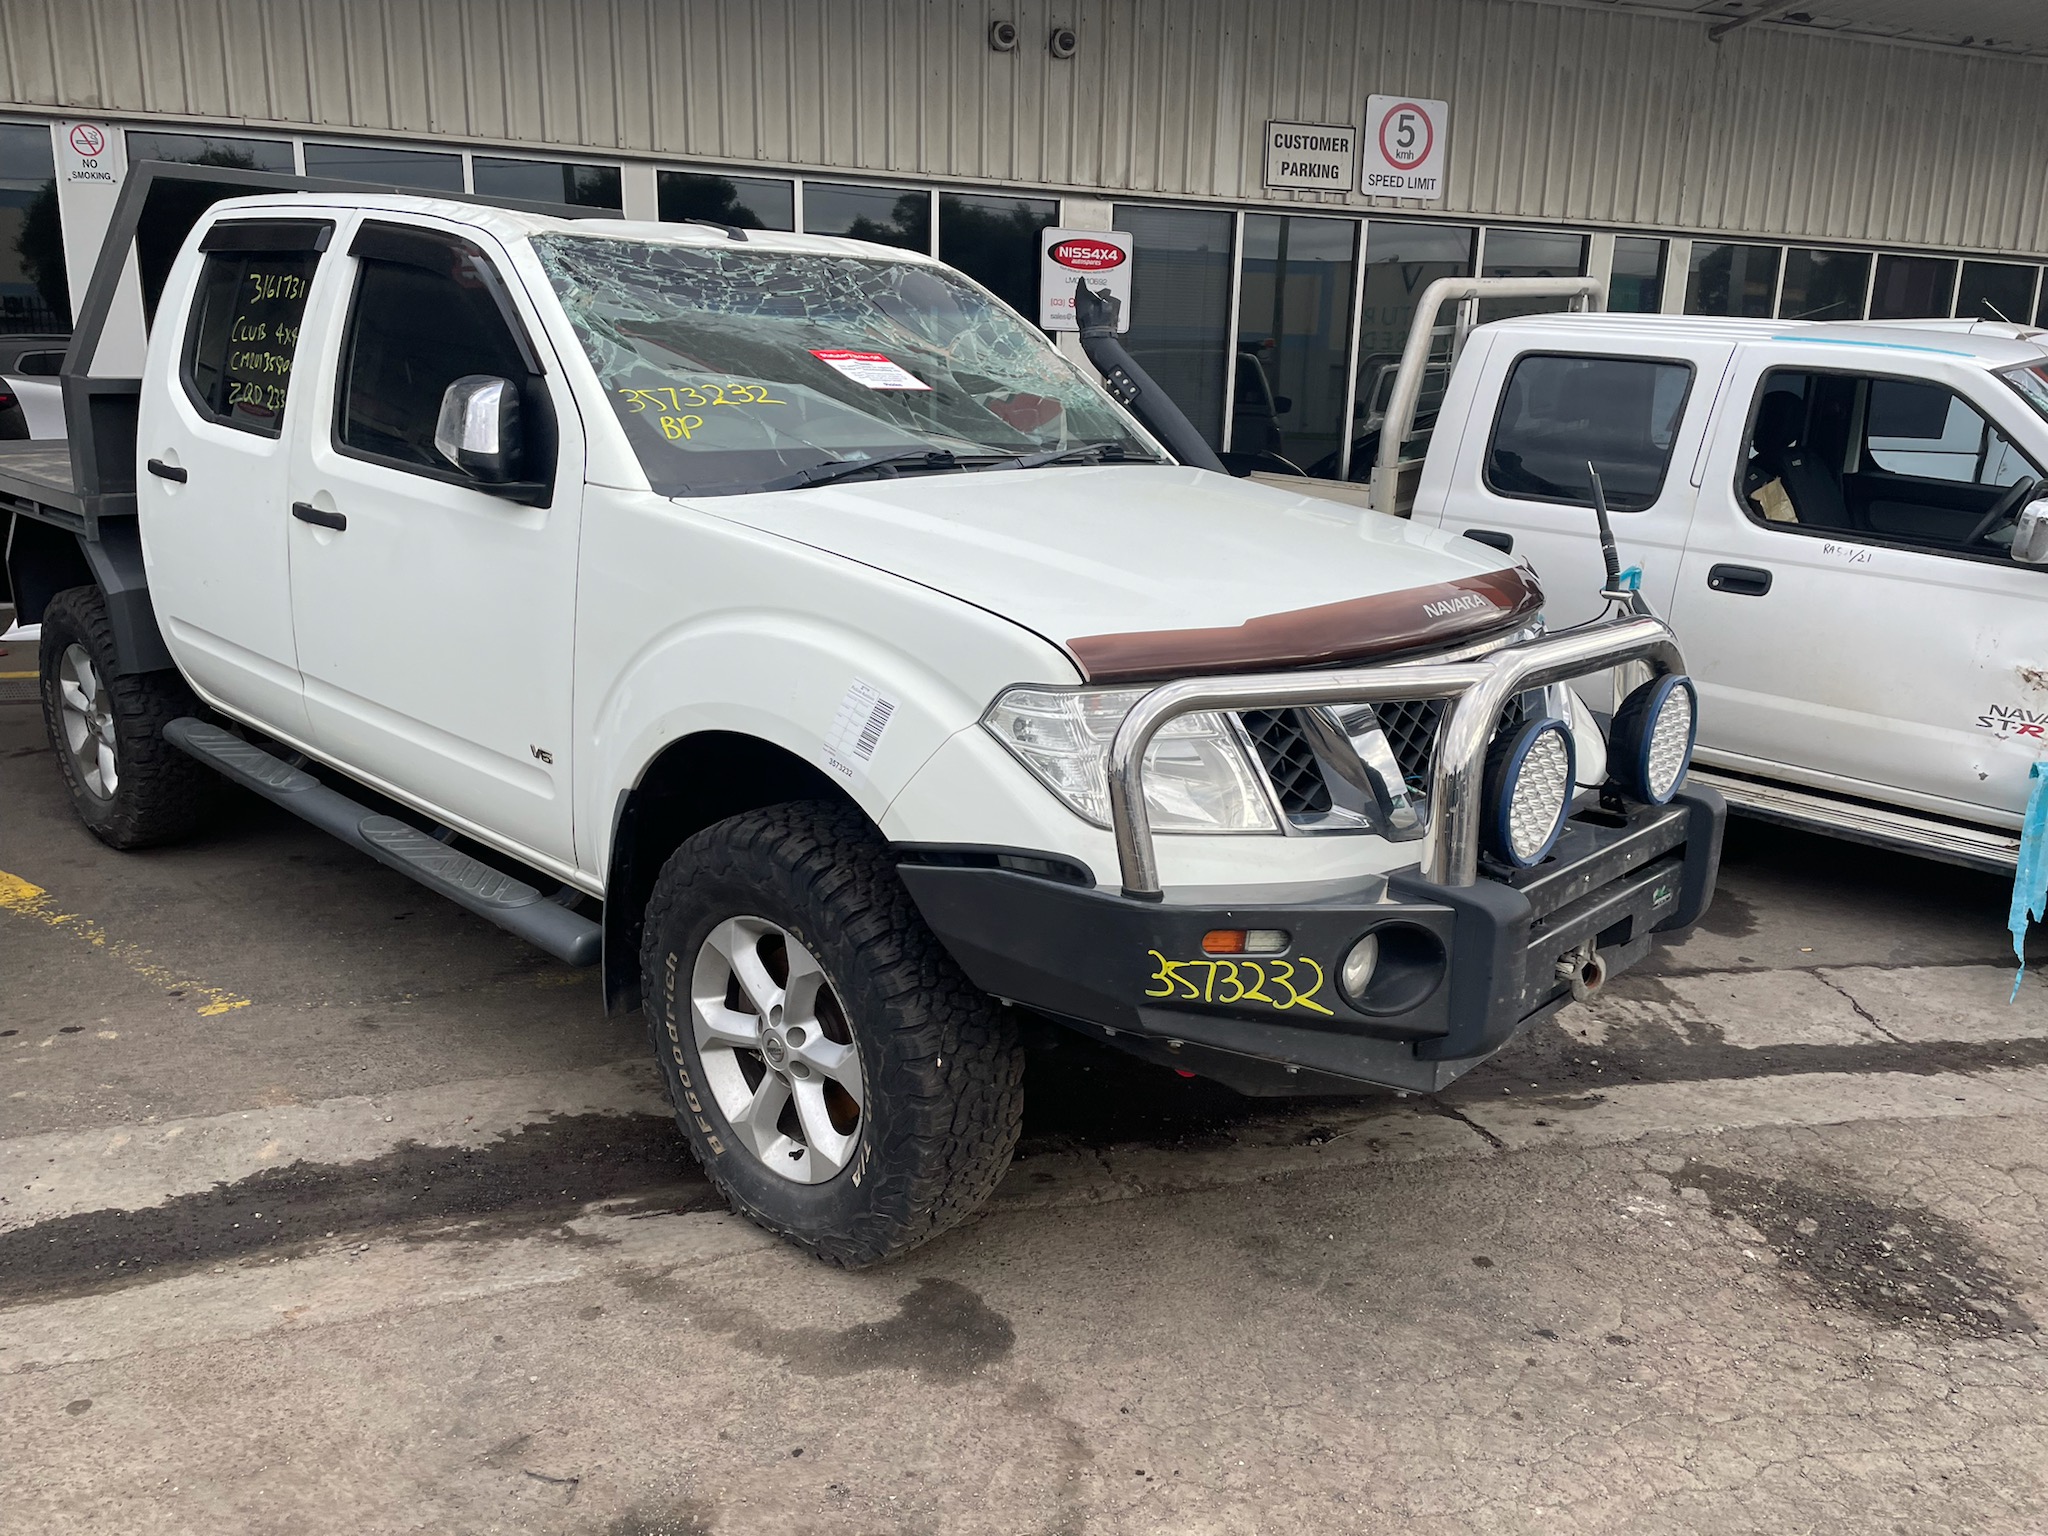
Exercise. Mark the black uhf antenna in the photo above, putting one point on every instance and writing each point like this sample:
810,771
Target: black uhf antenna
1607,549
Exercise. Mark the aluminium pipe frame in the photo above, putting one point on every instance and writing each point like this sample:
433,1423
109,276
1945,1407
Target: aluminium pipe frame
1480,689
1586,293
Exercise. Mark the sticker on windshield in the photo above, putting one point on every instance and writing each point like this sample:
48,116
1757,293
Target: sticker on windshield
869,368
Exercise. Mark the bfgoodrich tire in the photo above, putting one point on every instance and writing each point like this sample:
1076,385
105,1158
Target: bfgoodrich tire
129,785
840,1080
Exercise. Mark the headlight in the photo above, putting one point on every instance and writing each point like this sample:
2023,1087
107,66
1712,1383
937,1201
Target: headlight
1197,778
1650,746
1528,791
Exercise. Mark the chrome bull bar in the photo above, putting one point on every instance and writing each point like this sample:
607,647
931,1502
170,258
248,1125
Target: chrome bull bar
1480,689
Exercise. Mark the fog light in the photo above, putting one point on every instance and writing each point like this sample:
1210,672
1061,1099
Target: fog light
1650,745
1355,975
1529,780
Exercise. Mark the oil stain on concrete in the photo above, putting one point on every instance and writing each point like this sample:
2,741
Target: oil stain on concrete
942,1332
537,1177
1901,1265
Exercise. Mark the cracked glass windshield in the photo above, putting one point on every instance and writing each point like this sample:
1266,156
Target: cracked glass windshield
744,370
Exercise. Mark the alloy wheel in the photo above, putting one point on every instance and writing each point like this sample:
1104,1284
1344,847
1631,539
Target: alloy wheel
87,712
777,1053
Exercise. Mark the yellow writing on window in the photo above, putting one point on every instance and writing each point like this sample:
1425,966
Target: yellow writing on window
678,398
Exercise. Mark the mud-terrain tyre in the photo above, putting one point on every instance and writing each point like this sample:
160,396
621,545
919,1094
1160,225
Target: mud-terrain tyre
841,1081
105,726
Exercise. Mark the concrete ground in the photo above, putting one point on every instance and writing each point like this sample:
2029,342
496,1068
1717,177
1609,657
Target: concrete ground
325,1207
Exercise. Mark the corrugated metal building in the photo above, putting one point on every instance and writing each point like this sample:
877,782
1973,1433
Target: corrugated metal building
1717,155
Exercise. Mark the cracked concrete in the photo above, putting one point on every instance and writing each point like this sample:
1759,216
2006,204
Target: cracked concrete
1758,1242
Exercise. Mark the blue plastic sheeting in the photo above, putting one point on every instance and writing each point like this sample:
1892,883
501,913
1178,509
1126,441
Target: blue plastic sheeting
2030,883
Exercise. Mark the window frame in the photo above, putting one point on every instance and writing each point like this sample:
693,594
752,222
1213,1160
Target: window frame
1862,536
1500,407
268,236
388,242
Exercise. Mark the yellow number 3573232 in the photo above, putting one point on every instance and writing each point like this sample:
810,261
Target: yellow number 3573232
1233,982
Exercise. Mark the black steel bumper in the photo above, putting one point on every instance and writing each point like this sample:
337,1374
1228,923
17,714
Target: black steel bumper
1463,968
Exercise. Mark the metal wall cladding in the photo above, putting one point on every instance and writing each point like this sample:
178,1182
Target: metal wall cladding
1559,112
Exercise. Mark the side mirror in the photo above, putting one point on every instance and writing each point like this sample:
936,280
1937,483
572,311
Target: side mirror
478,429
2030,534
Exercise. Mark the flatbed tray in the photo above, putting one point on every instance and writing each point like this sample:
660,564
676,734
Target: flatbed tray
36,480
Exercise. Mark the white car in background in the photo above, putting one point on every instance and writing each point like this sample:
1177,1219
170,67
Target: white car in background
1846,523
31,404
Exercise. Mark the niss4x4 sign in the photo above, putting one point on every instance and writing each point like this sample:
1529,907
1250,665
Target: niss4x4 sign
1099,257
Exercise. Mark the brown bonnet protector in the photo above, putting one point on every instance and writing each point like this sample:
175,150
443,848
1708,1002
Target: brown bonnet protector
1357,629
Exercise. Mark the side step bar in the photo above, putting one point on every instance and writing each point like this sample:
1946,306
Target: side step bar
1859,821
512,904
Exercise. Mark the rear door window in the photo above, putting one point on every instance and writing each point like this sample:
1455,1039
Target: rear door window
244,331
1559,413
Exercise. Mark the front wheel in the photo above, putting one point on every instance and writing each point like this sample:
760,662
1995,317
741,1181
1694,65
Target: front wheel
841,1081
131,787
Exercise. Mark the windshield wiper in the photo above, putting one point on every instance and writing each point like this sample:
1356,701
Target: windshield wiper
1109,453
839,469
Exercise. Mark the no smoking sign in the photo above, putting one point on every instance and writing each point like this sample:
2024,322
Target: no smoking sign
1404,147
86,155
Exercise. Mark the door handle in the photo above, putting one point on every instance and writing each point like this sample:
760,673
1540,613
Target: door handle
1492,538
1742,580
165,471
306,512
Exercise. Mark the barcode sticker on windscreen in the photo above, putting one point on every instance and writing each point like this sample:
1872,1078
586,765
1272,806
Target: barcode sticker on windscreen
870,368
856,732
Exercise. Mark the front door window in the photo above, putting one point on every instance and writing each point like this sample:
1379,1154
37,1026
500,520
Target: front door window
1886,460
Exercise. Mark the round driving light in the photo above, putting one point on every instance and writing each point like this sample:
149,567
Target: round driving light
1355,975
1529,777
1650,745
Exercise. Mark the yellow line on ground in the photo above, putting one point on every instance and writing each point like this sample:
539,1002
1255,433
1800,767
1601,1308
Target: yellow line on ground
15,677
27,900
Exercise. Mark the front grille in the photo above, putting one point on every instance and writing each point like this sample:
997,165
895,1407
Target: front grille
1288,759
1412,727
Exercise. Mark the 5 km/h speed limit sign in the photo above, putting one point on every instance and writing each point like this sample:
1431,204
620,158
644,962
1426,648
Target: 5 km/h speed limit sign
1404,147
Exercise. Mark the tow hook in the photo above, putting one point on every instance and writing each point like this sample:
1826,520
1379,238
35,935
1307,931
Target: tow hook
1584,969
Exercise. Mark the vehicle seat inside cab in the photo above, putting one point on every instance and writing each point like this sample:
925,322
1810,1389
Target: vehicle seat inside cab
1786,481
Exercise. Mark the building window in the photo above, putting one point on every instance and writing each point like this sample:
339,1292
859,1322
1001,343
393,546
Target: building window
1912,288
886,215
1824,285
546,181
226,150
1529,253
1180,309
741,202
33,292
1400,261
1731,280
420,169
994,240
1995,290
1293,340
1636,285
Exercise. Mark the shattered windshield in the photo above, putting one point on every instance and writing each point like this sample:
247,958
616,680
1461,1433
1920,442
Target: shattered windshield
737,370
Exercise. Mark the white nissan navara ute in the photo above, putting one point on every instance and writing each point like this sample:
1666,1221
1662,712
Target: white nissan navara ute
785,625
